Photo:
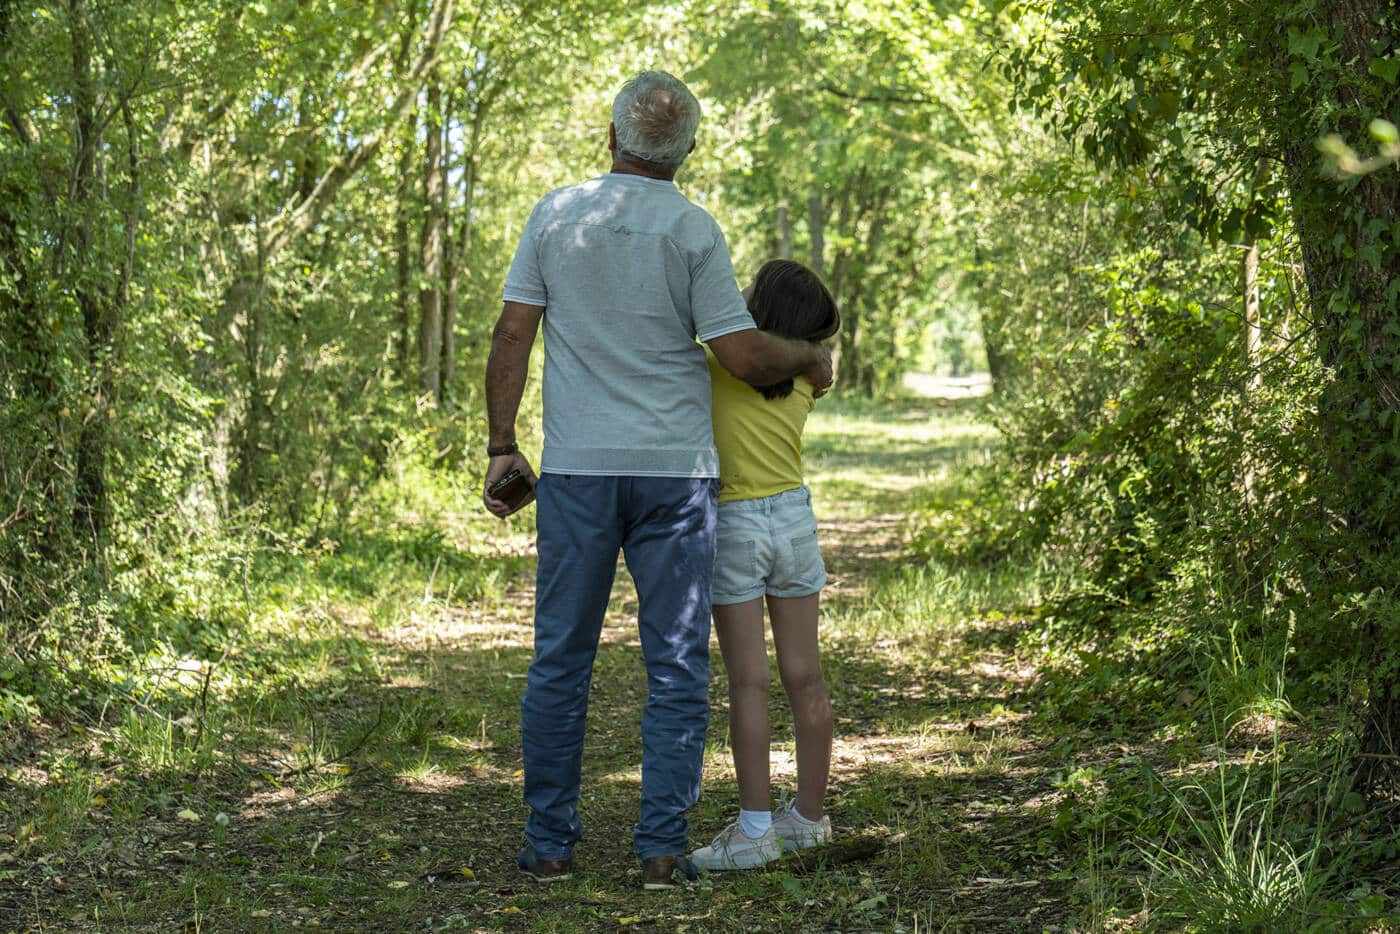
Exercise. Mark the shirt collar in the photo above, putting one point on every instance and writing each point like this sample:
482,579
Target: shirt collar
627,177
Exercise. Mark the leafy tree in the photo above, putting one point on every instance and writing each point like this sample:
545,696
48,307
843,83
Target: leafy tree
1224,106
214,278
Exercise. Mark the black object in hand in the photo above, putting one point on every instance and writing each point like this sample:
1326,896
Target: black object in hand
512,489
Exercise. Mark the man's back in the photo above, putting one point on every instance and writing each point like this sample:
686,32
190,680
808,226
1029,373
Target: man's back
630,273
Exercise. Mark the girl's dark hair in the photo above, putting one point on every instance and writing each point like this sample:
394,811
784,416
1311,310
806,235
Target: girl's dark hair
790,300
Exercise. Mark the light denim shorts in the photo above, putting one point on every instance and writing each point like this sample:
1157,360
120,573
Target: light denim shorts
768,546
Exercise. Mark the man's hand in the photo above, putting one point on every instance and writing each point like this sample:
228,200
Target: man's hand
498,468
819,372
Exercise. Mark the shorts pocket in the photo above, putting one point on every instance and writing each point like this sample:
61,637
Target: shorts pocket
807,566
802,573
736,568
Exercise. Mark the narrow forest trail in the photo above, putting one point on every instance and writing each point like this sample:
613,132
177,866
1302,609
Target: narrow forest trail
346,789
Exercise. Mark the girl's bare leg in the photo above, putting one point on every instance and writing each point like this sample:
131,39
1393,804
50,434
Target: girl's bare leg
740,631
799,664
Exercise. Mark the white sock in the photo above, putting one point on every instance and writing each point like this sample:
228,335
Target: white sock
798,814
755,823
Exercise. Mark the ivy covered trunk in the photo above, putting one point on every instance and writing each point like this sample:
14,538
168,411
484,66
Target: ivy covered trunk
92,501
1352,261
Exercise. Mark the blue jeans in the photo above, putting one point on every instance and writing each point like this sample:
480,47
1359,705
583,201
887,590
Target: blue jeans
665,528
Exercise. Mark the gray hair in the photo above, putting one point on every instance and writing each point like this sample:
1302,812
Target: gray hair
656,116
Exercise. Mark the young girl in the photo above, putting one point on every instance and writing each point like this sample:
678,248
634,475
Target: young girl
768,549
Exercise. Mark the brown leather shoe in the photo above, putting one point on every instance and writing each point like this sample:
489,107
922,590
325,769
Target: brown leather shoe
544,870
667,872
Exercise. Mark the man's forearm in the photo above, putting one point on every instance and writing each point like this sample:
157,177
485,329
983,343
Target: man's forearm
762,359
507,368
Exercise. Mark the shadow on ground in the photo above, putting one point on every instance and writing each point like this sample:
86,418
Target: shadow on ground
399,762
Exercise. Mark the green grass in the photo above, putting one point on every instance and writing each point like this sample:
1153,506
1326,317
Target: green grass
359,729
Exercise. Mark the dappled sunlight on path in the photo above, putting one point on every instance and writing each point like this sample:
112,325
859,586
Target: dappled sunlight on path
345,795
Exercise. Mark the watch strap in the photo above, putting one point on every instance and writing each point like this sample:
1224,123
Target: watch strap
502,450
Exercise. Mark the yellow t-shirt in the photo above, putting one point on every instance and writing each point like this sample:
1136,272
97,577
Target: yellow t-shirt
759,440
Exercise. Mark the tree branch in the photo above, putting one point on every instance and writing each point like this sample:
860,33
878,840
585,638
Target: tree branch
892,97
19,125
296,222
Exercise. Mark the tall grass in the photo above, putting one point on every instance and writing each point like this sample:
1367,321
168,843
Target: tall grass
1240,861
1235,866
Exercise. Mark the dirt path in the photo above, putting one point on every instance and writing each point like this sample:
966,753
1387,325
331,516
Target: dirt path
356,799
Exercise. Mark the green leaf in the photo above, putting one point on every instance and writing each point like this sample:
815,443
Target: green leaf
1387,69
1305,44
1371,905
1299,75
1370,254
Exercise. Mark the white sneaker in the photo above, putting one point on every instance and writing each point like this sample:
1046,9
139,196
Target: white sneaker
734,849
798,834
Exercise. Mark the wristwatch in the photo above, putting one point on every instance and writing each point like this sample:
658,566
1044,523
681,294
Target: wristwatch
502,451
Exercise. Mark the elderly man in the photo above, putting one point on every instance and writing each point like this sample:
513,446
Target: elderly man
626,274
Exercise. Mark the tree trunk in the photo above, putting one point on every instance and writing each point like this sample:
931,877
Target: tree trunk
864,372
1368,366
430,292
816,228
852,209
403,220
996,358
1253,324
244,303
1253,340
1349,265
447,365
92,507
998,363
404,250
783,223
1253,327
845,222
465,225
